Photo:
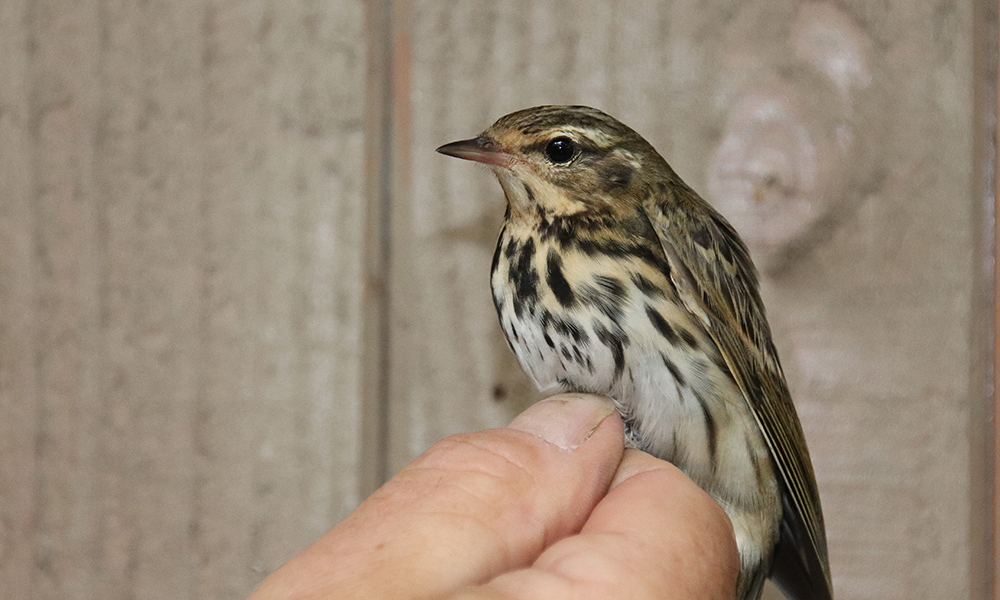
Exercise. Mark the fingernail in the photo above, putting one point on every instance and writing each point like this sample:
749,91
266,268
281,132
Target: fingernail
566,420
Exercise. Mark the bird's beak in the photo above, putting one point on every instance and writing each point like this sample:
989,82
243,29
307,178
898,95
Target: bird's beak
483,149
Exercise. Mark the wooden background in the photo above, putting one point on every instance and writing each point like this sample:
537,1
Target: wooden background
238,288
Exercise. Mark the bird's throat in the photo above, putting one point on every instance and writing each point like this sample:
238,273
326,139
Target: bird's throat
530,196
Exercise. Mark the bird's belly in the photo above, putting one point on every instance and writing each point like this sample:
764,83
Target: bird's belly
689,413
677,399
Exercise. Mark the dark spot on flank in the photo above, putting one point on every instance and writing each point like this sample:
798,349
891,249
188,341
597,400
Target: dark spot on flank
548,340
689,338
646,286
610,306
565,327
557,281
661,325
566,353
616,344
612,286
710,430
499,392
674,372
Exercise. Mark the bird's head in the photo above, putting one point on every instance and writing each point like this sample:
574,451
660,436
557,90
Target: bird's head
564,160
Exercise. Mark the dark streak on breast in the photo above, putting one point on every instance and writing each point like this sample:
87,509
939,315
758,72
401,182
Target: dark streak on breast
557,281
511,249
617,249
524,277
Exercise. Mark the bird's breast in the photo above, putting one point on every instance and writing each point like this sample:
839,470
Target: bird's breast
600,314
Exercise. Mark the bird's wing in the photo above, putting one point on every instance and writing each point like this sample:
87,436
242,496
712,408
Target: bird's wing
711,268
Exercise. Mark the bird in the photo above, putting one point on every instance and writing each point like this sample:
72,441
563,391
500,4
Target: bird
613,276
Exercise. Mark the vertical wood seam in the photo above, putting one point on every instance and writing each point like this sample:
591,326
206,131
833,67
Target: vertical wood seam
201,406
983,432
33,123
987,49
376,249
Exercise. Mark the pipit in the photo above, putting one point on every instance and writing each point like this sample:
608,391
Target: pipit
612,276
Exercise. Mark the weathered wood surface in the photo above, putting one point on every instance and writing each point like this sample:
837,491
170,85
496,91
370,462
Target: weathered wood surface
193,361
181,214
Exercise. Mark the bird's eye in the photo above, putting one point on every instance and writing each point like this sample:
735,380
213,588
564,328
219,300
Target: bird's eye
560,150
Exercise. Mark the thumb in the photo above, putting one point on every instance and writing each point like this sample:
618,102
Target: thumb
471,507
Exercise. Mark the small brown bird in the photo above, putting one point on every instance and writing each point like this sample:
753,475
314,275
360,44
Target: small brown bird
612,276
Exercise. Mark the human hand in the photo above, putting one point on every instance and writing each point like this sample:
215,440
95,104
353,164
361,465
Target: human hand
551,507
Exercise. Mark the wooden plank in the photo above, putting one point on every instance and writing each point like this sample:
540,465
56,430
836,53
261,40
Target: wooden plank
147,173
62,42
18,368
872,314
284,214
181,291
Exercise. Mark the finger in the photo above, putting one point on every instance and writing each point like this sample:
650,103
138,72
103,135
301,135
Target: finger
655,535
471,507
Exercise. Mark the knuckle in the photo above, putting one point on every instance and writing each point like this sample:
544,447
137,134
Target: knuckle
470,466
496,457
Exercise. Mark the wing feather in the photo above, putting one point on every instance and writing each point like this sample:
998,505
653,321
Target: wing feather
717,281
